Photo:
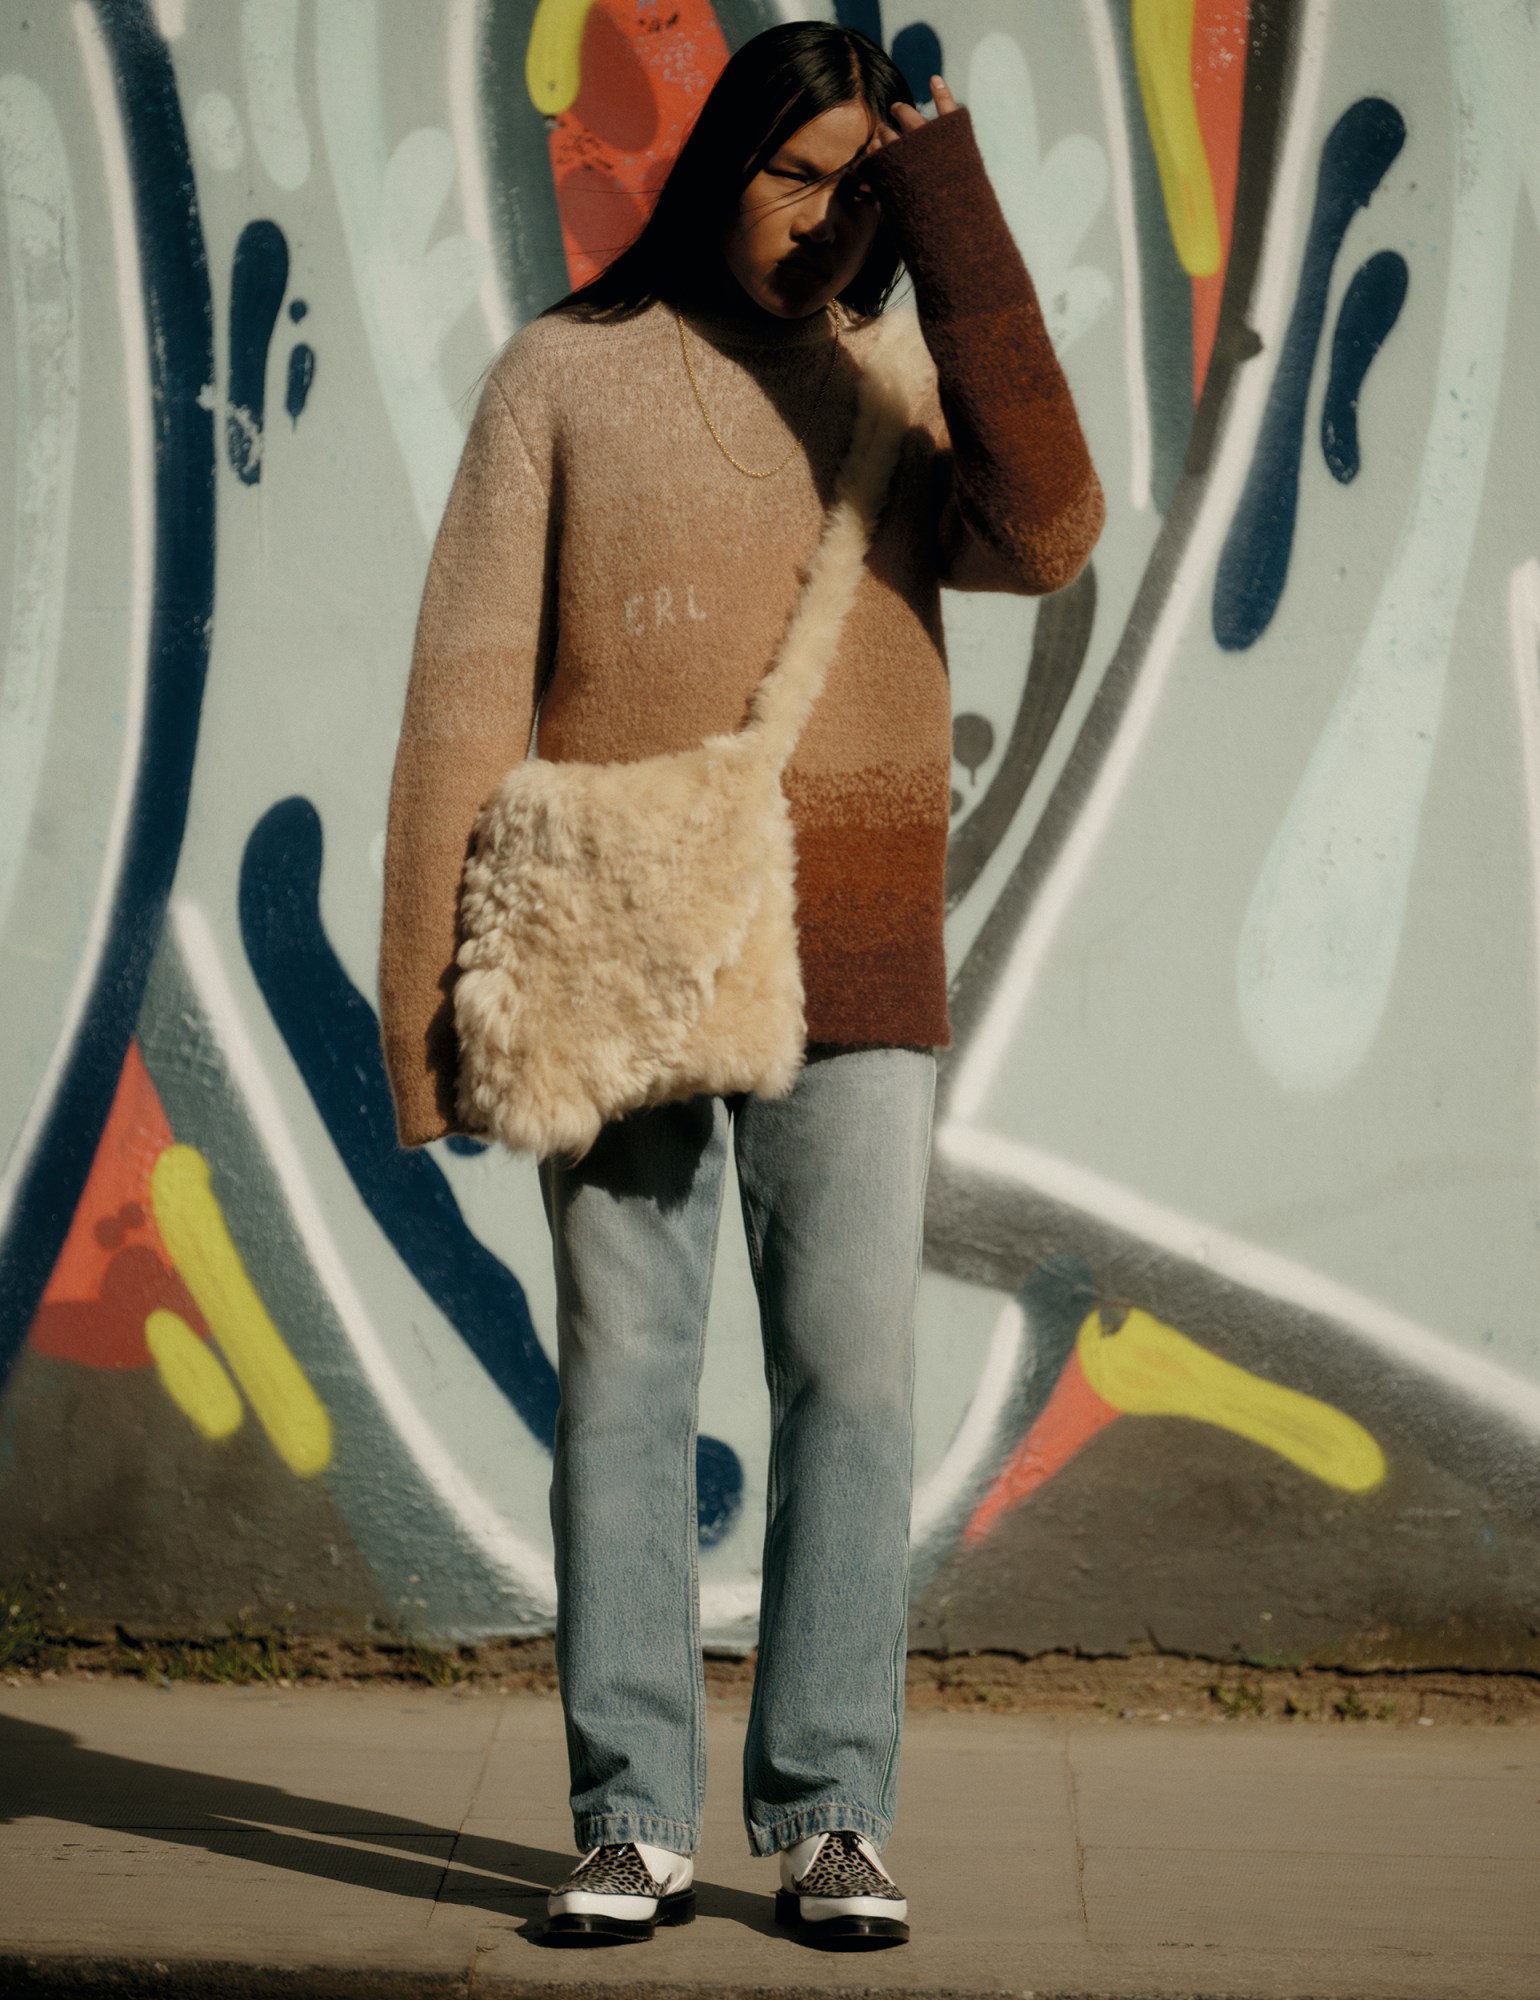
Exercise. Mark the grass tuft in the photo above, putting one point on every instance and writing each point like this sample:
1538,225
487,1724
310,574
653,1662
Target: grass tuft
1238,1698
244,1655
29,1619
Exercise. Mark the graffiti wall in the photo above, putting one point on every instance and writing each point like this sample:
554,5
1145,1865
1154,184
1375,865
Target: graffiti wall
1230,1322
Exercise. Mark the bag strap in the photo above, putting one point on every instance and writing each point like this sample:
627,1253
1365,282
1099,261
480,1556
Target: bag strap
890,384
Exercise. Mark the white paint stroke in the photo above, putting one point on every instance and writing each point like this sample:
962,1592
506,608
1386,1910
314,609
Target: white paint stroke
217,128
464,80
44,256
1049,202
525,1568
1321,937
171,18
1524,652
990,1048
949,1487
269,38
1258,1270
140,504
1116,112
409,293
728,1603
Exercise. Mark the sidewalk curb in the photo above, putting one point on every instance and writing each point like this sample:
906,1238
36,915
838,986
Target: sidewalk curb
81,1976
85,1976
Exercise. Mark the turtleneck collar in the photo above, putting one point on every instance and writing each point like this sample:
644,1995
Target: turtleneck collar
761,334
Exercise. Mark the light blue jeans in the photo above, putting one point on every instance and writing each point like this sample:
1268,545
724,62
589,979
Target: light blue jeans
832,1185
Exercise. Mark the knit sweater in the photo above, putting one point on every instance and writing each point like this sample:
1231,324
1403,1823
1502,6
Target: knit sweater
606,581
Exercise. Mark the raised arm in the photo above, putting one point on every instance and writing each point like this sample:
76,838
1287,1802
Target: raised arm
1026,506
483,633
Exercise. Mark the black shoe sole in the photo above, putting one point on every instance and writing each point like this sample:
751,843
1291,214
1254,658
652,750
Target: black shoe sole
582,1929
838,1933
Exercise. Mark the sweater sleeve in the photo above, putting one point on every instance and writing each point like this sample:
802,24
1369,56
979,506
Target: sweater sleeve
1024,493
483,632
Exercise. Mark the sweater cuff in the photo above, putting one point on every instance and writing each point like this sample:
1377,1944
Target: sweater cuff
934,185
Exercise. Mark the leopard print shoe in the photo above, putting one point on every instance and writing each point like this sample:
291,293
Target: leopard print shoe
837,1895
619,1894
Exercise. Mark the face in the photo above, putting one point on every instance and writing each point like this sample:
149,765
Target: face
802,230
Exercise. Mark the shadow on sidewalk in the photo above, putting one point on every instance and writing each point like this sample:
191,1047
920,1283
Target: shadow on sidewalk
46,1773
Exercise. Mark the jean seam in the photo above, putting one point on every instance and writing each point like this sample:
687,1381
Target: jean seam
752,1238
692,1524
896,1664
546,1170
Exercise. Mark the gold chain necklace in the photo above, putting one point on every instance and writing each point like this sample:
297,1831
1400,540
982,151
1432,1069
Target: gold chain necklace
797,443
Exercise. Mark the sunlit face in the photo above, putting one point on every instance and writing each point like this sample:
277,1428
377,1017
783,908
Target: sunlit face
803,230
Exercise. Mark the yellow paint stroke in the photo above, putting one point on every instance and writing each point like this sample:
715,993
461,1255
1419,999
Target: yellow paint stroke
552,62
193,1230
1148,1369
1163,58
191,1375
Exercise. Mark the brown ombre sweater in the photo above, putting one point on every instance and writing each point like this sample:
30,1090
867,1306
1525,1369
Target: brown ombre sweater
605,576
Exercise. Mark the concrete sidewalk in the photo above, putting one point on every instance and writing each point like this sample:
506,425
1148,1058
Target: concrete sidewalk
196,1840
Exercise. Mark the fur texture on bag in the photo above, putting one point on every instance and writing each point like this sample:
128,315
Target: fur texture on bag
630,929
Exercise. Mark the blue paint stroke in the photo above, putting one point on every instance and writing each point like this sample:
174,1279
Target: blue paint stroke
259,276
179,313
1254,563
1370,307
532,263
865,16
917,52
718,1489
301,375
297,310
334,1038
333,1035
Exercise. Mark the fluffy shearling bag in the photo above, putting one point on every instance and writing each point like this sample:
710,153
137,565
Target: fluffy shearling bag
630,929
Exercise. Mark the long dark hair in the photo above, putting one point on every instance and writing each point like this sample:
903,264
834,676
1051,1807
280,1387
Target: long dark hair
771,88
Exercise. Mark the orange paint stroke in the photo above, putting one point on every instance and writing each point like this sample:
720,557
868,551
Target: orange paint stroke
1219,87
114,1268
1068,1421
109,1330
645,74
136,1133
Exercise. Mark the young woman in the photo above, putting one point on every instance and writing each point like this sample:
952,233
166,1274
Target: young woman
649,465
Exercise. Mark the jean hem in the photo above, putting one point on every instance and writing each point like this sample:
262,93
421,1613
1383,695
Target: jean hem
835,1818
616,1829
